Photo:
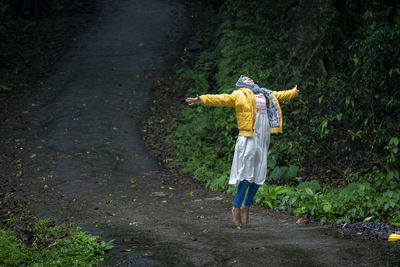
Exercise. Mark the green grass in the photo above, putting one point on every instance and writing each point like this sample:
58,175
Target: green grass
26,241
76,249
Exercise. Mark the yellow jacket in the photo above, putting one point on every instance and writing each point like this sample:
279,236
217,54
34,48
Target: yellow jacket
244,102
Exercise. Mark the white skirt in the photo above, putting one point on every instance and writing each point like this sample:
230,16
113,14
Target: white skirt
250,158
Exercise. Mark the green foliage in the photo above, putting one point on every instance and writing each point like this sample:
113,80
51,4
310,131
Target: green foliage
4,88
284,174
393,152
340,125
205,137
12,251
376,194
366,73
25,241
77,249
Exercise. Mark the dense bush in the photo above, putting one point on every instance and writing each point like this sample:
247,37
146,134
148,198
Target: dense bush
376,194
343,125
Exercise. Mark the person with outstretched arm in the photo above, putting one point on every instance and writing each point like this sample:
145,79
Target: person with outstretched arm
258,114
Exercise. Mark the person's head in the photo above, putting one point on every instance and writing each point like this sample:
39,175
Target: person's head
247,80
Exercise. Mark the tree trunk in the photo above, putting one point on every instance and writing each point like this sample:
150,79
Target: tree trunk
310,19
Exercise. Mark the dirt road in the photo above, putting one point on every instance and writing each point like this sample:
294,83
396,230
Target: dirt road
93,168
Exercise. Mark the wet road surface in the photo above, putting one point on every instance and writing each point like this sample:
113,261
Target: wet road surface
96,170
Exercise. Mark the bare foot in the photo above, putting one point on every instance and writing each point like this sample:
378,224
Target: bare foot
245,209
236,216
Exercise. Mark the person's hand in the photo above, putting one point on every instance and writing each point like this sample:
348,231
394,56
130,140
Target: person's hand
297,90
193,101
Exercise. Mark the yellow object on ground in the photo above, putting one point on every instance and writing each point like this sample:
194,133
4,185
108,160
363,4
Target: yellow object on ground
394,237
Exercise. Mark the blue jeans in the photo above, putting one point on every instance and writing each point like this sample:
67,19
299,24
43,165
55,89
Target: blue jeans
253,187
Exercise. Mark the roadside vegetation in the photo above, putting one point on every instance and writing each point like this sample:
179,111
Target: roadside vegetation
28,241
338,158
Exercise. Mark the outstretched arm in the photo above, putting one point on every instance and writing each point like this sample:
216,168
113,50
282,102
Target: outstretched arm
287,94
222,100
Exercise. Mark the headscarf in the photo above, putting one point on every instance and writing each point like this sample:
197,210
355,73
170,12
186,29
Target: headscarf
272,109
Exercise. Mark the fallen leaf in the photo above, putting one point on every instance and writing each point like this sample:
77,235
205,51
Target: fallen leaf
301,221
215,198
127,250
140,44
159,194
367,219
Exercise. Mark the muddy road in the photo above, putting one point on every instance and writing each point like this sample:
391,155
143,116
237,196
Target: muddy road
93,168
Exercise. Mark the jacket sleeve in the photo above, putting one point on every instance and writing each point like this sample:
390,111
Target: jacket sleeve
286,95
223,100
